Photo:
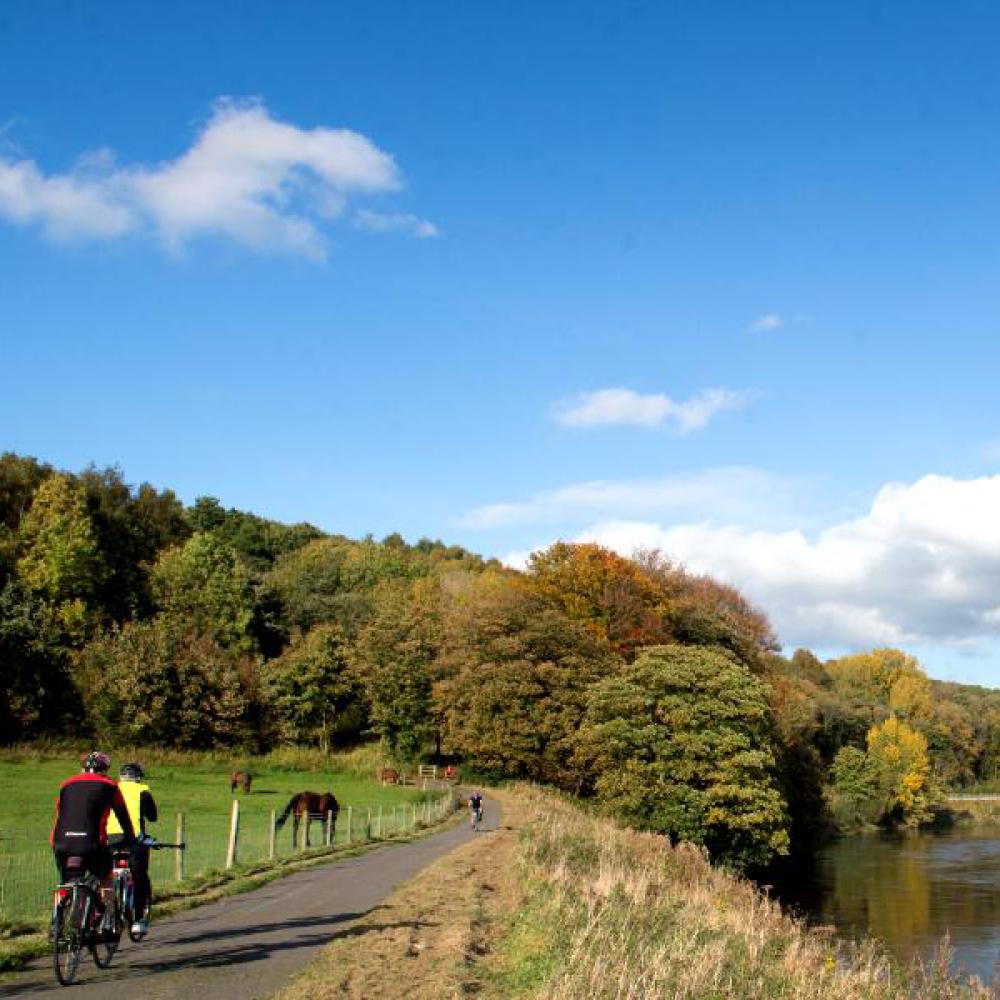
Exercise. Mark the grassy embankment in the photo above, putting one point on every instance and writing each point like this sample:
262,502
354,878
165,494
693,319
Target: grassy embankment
198,786
567,905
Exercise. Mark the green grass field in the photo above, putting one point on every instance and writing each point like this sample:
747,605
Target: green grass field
198,787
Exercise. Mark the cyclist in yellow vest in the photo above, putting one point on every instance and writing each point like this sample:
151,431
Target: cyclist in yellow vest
141,809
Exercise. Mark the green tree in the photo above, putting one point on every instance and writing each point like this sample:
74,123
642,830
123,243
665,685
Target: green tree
395,651
60,558
204,584
39,697
680,744
333,579
855,795
19,478
131,527
258,540
314,689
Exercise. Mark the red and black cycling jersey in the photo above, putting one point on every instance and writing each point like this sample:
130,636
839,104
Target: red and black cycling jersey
82,808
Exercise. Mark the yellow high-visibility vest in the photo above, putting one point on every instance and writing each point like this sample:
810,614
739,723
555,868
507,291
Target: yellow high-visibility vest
132,793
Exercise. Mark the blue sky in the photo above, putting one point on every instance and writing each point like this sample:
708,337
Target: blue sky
494,308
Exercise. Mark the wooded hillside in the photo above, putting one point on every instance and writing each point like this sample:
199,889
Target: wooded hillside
126,616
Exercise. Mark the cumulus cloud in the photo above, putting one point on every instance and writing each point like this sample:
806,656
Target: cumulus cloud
247,177
619,407
769,321
921,565
733,491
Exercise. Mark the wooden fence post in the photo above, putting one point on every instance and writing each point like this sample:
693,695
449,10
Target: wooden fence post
329,827
378,829
350,822
179,854
271,837
413,820
234,832
368,825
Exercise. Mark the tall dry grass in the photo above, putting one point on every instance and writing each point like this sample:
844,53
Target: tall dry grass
610,912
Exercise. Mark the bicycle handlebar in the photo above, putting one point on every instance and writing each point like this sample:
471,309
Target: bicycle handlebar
157,845
152,844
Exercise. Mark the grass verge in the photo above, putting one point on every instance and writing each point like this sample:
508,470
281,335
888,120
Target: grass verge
609,912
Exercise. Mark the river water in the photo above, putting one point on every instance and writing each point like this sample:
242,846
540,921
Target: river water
909,890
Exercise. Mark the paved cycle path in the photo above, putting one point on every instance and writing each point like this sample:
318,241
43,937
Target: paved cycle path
249,945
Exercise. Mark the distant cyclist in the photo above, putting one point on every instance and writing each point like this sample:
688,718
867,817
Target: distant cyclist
83,807
142,810
475,810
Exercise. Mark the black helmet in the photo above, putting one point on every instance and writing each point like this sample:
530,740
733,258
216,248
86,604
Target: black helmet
97,762
132,771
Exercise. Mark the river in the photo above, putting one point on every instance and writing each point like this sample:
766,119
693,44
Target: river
909,890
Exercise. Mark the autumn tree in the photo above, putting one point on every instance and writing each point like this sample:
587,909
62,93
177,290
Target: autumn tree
610,595
900,759
890,782
701,611
515,691
160,682
872,676
679,743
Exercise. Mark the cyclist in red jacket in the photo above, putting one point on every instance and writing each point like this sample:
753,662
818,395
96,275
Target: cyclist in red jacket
80,829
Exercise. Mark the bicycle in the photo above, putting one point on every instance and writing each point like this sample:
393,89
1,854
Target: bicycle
476,819
78,922
125,889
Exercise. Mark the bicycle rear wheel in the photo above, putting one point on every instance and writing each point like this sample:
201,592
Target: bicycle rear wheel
104,943
67,937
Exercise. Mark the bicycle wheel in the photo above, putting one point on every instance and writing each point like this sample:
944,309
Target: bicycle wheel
67,939
106,936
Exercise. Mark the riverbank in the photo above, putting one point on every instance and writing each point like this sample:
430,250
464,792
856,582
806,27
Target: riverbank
558,903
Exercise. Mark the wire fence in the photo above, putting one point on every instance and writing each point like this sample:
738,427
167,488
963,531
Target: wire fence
28,873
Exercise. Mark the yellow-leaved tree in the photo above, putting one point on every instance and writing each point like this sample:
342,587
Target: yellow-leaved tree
898,757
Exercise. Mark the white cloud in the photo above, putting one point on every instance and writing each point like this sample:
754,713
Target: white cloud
248,177
377,222
726,492
769,321
922,565
617,407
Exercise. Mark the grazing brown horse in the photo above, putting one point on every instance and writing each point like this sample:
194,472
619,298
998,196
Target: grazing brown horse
241,778
309,806
389,776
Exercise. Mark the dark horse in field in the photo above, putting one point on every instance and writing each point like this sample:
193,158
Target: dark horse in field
241,778
309,806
